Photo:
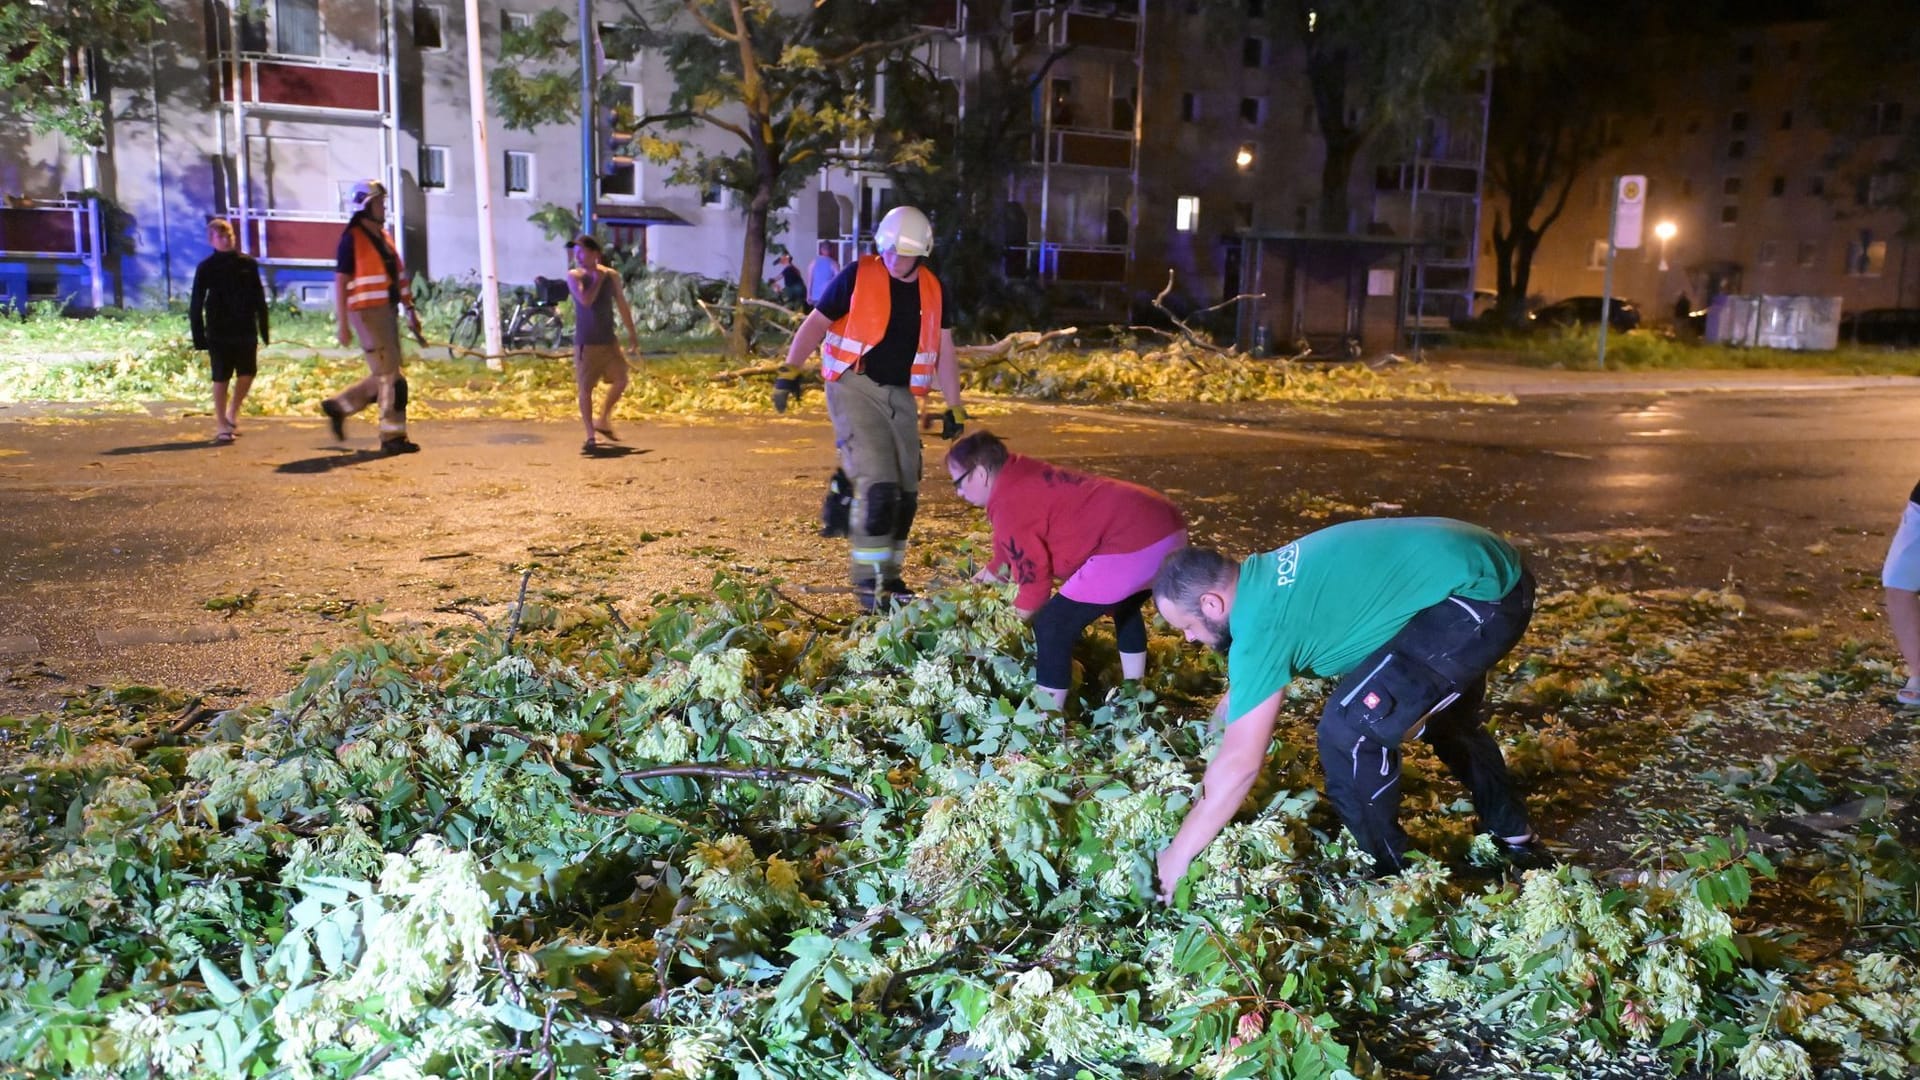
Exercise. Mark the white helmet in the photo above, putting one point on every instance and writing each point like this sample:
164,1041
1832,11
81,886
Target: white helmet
906,231
365,191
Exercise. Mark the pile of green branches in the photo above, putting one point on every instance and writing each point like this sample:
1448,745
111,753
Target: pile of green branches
746,839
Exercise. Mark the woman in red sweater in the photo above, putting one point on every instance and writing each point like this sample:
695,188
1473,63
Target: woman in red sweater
1103,539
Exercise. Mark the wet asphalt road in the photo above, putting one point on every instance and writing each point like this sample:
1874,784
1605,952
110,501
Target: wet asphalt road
118,532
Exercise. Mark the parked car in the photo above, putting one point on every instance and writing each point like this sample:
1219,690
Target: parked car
1585,311
1882,326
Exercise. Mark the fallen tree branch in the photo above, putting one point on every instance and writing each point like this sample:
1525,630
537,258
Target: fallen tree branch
1018,341
759,774
1187,332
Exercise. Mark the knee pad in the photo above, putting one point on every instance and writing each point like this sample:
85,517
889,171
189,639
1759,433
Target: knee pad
883,502
903,514
836,511
400,393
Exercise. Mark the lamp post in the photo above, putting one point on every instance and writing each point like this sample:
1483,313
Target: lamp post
1664,231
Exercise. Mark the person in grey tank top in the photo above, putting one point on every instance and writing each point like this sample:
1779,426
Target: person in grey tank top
597,358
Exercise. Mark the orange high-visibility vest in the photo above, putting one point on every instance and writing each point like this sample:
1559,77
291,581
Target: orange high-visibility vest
369,286
865,323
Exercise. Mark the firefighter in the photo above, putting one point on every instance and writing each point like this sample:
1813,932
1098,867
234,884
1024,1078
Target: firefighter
370,286
884,329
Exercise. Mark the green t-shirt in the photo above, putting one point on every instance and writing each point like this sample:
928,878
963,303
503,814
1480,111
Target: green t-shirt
1319,605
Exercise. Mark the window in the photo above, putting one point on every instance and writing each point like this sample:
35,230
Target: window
1743,82
1730,186
1769,253
621,180
1062,94
1256,8
1243,157
1806,253
516,20
1253,52
1729,214
1186,213
1866,257
1817,185
1189,107
1243,215
1779,186
1659,126
1253,110
429,27
1786,120
1793,50
433,168
1879,188
296,27
519,173
1737,149
1597,255
1693,125
1744,54
1737,122
715,195
1883,118
617,43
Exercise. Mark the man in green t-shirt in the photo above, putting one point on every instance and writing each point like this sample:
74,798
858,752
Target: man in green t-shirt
1409,614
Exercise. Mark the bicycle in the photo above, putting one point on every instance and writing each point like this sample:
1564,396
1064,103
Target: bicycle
534,322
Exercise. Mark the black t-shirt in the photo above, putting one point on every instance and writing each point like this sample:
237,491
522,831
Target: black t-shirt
889,363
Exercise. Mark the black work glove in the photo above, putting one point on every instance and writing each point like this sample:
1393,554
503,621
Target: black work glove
952,423
784,388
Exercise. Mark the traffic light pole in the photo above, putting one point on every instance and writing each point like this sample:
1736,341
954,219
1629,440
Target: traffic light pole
1606,288
589,117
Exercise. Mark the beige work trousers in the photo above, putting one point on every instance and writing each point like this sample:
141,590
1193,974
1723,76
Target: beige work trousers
378,329
876,429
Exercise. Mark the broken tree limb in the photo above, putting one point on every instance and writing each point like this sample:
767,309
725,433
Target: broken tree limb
1187,332
758,774
1019,341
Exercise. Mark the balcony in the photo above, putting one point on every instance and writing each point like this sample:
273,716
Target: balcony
1081,30
302,83
292,237
1069,264
1090,147
45,228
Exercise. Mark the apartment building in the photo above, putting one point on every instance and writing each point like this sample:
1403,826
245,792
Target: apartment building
1763,196
1158,142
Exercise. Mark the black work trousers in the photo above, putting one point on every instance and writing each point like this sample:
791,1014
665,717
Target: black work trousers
1429,681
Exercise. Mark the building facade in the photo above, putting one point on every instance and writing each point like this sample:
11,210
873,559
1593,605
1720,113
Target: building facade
1763,196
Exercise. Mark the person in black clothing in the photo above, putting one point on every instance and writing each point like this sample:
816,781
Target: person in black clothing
793,287
229,306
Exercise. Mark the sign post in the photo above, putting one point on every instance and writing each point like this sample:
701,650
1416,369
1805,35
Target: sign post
1623,231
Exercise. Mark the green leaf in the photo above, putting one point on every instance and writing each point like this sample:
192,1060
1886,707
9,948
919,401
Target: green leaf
86,986
222,988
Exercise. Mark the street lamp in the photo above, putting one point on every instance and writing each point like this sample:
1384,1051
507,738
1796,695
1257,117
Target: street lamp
1664,231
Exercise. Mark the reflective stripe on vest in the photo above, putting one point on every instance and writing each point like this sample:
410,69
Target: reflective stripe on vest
865,323
369,287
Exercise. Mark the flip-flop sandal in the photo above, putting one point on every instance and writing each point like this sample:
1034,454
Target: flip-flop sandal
223,437
589,447
608,432
1909,696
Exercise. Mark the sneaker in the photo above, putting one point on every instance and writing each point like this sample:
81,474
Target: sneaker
1531,853
336,419
1908,697
399,445
895,591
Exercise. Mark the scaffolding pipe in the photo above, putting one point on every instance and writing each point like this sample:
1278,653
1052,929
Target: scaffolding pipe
589,116
390,121
483,187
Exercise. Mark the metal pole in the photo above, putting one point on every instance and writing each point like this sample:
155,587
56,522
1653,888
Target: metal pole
90,181
589,116
1415,294
483,187
1606,288
160,175
390,121
240,153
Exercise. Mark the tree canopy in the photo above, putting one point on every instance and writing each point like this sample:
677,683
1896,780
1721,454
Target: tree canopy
44,75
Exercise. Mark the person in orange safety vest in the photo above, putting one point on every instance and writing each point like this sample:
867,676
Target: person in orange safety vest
370,285
884,330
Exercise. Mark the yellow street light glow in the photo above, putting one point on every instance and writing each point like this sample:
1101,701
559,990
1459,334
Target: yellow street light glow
1244,158
1665,230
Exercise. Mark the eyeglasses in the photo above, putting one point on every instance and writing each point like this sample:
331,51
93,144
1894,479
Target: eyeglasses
962,478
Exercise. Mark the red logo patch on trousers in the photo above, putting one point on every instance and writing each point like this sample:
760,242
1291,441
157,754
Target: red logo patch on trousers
1371,701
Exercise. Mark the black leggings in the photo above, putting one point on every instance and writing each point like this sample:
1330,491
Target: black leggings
1060,622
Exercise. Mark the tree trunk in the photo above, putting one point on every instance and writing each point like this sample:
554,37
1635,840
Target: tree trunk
1336,172
753,258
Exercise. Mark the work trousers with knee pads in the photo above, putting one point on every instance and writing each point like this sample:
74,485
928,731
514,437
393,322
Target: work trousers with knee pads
1429,681
1060,622
378,329
876,431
